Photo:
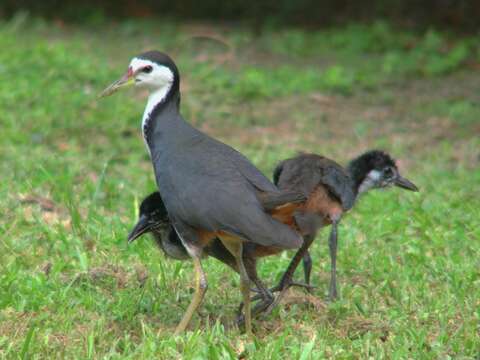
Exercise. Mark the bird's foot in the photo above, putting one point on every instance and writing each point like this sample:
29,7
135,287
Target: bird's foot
307,287
333,295
259,308
268,301
286,282
282,288
264,295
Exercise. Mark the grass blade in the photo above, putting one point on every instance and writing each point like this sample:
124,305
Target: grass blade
27,342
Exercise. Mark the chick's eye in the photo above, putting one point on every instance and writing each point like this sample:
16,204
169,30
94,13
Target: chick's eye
388,172
147,69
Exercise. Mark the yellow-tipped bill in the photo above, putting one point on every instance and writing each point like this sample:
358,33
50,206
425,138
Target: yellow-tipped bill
126,80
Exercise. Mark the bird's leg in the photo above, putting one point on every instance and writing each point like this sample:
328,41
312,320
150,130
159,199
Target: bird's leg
245,288
287,278
332,243
307,268
200,289
251,266
264,294
236,249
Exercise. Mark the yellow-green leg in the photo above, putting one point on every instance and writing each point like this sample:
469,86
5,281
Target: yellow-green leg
245,289
236,249
200,289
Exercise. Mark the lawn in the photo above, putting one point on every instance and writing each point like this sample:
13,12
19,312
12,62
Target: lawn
75,168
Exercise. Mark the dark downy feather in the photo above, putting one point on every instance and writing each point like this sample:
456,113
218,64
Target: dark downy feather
371,160
306,171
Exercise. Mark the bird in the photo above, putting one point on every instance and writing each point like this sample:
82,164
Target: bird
301,173
331,190
153,218
210,190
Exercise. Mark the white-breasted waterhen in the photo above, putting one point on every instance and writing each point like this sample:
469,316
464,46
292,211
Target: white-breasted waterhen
209,189
331,190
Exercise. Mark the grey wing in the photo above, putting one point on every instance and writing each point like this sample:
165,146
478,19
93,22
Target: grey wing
235,210
271,200
246,217
249,171
340,184
306,171
302,173
227,158
217,190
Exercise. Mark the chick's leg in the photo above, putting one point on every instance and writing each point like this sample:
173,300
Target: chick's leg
332,243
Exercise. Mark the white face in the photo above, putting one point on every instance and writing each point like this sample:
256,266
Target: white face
151,75
372,180
379,179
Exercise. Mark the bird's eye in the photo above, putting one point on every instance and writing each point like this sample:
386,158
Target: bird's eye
388,172
147,69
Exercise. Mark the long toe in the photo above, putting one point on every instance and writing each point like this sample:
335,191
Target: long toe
266,297
258,309
286,283
274,303
307,287
283,288
276,288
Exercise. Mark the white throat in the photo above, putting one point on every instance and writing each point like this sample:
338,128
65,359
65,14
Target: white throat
154,99
158,79
370,181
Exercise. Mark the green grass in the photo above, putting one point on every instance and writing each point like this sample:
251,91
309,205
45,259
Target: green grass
74,169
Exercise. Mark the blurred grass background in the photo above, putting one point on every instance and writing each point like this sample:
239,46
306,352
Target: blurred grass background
74,169
458,15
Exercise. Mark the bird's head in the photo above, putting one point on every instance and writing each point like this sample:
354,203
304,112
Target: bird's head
377,169
153,217
151,70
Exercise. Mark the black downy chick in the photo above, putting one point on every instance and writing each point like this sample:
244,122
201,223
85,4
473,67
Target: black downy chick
331,191
153,218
